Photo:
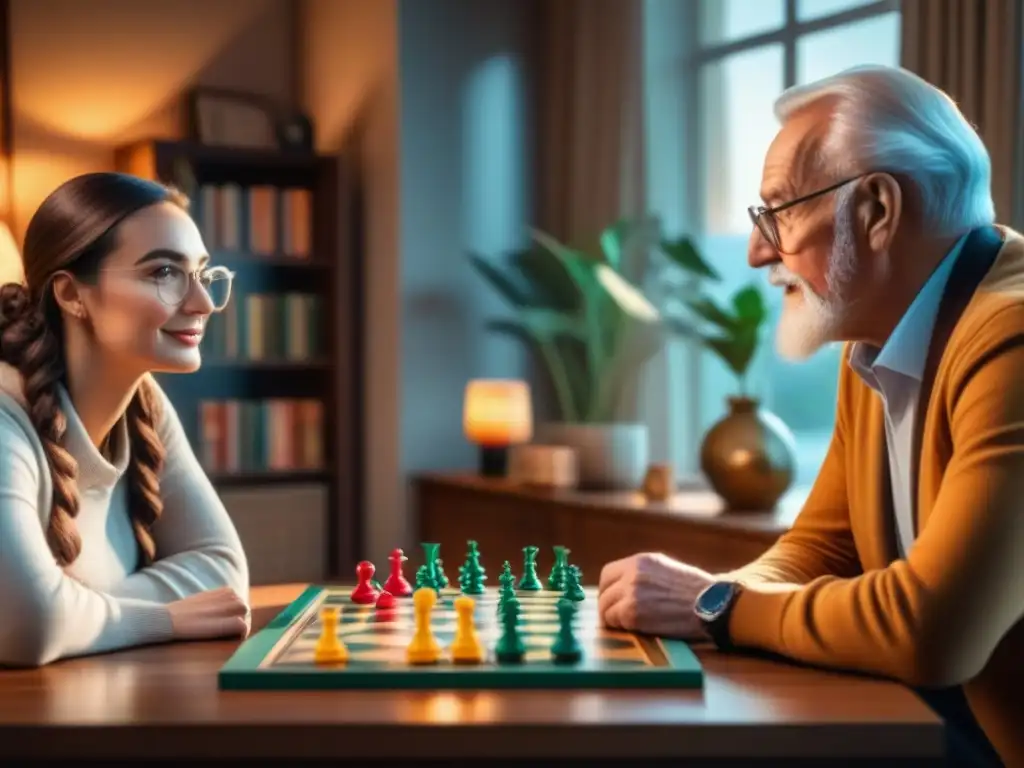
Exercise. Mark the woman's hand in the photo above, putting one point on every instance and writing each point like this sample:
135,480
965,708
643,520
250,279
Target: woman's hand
208,615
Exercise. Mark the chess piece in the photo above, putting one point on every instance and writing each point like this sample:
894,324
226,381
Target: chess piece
396,582
566,648
510,648
423,580
508,585
442,578
472,575
431,554
556,580
423,648
466,647
573,587
529,582
386,600
364,593
659,482
329,648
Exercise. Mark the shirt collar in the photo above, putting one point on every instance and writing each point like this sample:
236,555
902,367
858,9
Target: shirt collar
94,470
906,350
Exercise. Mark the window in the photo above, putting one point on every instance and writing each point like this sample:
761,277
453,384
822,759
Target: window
743,55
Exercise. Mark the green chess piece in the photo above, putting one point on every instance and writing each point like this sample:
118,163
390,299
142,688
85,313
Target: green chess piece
556,580
442,579
472,574
529,582
431,553
423,578
573,587
508,585
566,649
510,648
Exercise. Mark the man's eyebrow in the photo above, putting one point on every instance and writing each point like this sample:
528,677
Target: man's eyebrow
778,193
170,255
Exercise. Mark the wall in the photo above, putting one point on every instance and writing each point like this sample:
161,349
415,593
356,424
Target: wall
443,155
89,76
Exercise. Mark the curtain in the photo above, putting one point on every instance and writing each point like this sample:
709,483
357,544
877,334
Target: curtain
590,88
972,49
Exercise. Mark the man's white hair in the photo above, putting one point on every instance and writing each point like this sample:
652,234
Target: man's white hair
888,119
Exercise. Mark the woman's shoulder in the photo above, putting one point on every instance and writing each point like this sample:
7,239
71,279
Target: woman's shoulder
12,384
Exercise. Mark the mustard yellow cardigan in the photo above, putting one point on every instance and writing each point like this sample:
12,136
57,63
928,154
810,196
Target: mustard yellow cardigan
832,591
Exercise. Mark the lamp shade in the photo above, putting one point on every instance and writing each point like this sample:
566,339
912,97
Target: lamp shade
497,412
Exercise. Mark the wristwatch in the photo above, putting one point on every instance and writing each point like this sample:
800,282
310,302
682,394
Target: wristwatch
713,607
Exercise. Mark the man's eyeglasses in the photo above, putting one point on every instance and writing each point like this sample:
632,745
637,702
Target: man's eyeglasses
765,220
174,283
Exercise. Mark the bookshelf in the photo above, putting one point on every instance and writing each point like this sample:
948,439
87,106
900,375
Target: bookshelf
275,404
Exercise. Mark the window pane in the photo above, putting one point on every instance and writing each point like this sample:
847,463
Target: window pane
872,41
723,21
737,124
815,9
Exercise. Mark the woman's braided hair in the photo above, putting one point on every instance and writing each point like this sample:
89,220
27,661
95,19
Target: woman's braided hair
74,230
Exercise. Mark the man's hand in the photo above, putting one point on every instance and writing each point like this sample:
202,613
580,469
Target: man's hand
653,594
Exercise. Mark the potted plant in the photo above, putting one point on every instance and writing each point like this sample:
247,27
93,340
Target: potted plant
592,329
748,456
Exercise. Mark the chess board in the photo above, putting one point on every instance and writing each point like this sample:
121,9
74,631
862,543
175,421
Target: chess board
280,657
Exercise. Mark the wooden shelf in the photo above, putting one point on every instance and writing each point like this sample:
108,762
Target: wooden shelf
283,477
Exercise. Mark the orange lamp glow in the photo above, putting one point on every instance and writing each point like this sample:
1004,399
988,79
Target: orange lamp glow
497,414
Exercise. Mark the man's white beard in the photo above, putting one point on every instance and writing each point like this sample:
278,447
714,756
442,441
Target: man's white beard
804,329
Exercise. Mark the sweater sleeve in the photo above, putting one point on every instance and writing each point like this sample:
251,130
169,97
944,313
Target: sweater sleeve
198,547
820,541
47,614
936,617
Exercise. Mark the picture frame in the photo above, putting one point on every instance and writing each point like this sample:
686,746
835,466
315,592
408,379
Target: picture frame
229,118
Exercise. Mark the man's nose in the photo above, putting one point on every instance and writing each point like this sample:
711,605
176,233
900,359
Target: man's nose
760,253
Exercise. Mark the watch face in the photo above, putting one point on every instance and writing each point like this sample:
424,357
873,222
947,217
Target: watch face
715,599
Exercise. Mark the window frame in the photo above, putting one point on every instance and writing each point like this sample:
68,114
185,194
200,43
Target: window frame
685,364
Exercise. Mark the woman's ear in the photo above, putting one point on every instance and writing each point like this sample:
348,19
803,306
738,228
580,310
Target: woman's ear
67,292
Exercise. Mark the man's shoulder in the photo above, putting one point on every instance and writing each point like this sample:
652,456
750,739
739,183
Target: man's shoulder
995,313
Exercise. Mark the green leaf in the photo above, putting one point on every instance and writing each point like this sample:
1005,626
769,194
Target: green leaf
579,266
750,307
614,240
707,308
549,280
683,253
502,283
736,351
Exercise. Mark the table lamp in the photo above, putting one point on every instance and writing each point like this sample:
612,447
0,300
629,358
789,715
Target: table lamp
497,414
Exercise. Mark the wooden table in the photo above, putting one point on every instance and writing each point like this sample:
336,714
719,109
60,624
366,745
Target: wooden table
597,526
163,702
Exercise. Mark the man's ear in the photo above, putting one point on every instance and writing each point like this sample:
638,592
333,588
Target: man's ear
68,293
880,210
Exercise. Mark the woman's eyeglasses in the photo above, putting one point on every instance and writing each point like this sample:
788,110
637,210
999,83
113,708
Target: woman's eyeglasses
173,283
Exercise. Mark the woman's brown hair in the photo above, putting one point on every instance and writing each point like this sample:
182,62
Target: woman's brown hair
74,230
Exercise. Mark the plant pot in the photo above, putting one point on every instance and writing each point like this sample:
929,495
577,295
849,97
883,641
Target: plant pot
608,456
749,457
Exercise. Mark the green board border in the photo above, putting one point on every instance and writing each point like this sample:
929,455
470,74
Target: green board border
242,673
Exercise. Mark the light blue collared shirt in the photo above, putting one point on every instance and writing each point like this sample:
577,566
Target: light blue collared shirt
895,372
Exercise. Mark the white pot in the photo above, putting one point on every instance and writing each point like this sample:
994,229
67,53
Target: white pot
608,456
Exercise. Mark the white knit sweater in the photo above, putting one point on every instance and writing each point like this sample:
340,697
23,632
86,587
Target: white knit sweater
103,601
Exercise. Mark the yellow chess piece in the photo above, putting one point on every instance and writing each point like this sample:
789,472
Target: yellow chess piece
466,648
423,648
329,647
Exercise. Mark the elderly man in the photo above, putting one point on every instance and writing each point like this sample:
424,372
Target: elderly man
906,560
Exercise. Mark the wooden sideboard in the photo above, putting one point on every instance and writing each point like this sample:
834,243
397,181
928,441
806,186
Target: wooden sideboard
598,527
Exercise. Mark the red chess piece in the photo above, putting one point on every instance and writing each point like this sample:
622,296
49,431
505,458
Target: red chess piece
397,583
386,600
364,593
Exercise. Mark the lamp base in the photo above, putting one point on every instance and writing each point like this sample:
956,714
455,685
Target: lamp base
493,461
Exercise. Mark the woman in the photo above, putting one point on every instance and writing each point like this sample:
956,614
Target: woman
111,535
